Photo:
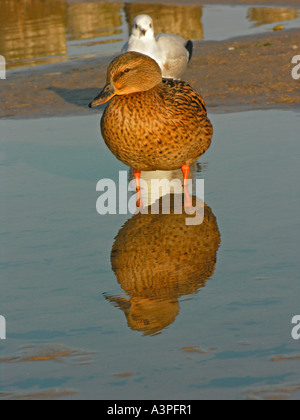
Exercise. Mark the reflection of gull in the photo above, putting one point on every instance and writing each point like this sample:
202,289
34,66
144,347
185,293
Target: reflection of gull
170,51
157,259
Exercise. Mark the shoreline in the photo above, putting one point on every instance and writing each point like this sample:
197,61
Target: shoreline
238,74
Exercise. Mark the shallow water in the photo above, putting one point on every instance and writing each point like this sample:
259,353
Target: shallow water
38,32
77,329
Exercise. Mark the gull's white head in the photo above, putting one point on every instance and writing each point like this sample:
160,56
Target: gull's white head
143,27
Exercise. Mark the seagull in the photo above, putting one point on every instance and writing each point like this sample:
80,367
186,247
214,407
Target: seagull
171,52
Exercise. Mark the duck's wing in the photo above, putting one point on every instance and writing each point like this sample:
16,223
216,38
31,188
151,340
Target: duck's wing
187,100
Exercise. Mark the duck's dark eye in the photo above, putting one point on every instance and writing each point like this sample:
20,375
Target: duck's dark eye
125,71
150,26
136,26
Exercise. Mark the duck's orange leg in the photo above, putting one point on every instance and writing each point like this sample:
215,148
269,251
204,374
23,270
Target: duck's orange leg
185,170
137,177
187,198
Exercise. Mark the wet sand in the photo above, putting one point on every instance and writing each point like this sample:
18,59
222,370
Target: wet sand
250,72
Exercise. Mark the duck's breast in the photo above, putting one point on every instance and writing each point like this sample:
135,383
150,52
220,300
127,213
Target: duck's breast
158,130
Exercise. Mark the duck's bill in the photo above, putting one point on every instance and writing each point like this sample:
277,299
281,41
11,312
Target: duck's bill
104,96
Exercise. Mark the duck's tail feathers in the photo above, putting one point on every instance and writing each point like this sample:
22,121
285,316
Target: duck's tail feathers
189,46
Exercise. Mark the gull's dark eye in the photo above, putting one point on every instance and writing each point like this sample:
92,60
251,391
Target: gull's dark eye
136,26
150,26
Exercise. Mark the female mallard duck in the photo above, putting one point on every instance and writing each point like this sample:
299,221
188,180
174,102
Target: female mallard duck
152,124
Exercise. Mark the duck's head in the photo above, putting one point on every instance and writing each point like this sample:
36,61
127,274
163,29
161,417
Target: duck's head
131,72
143,27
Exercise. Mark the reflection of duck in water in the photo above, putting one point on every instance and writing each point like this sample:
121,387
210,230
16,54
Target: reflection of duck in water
157,258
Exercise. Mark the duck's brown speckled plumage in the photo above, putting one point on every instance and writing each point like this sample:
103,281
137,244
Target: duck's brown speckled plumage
162,128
